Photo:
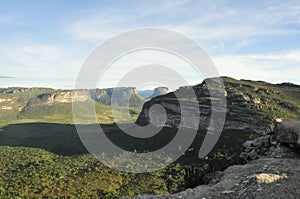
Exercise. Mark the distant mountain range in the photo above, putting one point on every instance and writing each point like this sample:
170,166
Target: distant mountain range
18,102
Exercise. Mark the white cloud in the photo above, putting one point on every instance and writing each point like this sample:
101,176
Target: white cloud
280,67
43,63
97,27
205,22
220,26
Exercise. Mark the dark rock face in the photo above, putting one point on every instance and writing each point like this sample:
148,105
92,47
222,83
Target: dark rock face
282,142
249,105
212,178
288,132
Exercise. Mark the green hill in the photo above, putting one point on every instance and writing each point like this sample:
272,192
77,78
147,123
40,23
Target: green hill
49,105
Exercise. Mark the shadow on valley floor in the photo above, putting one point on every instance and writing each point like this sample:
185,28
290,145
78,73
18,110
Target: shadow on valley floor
61,139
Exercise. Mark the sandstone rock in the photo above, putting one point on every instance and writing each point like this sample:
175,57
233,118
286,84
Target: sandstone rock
255,100
159,91
60,97
119,96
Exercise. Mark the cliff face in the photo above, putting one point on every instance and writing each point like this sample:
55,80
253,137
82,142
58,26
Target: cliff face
121,96
17,102
250,105
59,97
159,91
252,110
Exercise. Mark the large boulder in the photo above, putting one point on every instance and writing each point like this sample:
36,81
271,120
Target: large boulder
288,132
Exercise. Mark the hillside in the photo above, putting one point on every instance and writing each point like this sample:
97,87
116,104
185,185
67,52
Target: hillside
250,104
45,104
38,138
104,96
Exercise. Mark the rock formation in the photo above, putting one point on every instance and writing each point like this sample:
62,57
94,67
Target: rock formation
271,159
250,105
274,173
121,96
159,91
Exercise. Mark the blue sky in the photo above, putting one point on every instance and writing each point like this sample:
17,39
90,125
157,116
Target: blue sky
44,43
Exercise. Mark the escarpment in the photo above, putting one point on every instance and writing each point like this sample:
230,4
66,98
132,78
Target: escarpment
251,105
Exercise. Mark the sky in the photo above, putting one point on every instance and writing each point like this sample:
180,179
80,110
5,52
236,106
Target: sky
45,43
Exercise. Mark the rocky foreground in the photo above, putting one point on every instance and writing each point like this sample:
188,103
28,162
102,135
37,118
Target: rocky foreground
271,169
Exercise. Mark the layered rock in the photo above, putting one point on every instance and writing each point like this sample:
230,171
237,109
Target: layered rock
159,91
60,97
250,106
121,96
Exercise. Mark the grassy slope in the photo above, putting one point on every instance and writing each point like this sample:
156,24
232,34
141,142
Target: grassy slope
277,92
19,100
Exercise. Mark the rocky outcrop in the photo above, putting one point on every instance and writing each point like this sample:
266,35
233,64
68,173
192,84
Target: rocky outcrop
59,97
288,132
262,178
9,104
121,96
159,91
275,173
5,100
6,104
250,106
282,142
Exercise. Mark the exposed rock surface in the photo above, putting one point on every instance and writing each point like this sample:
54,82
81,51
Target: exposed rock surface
288,132
60,97
121,96
6,103
159,91
274,175
250,105
253,180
